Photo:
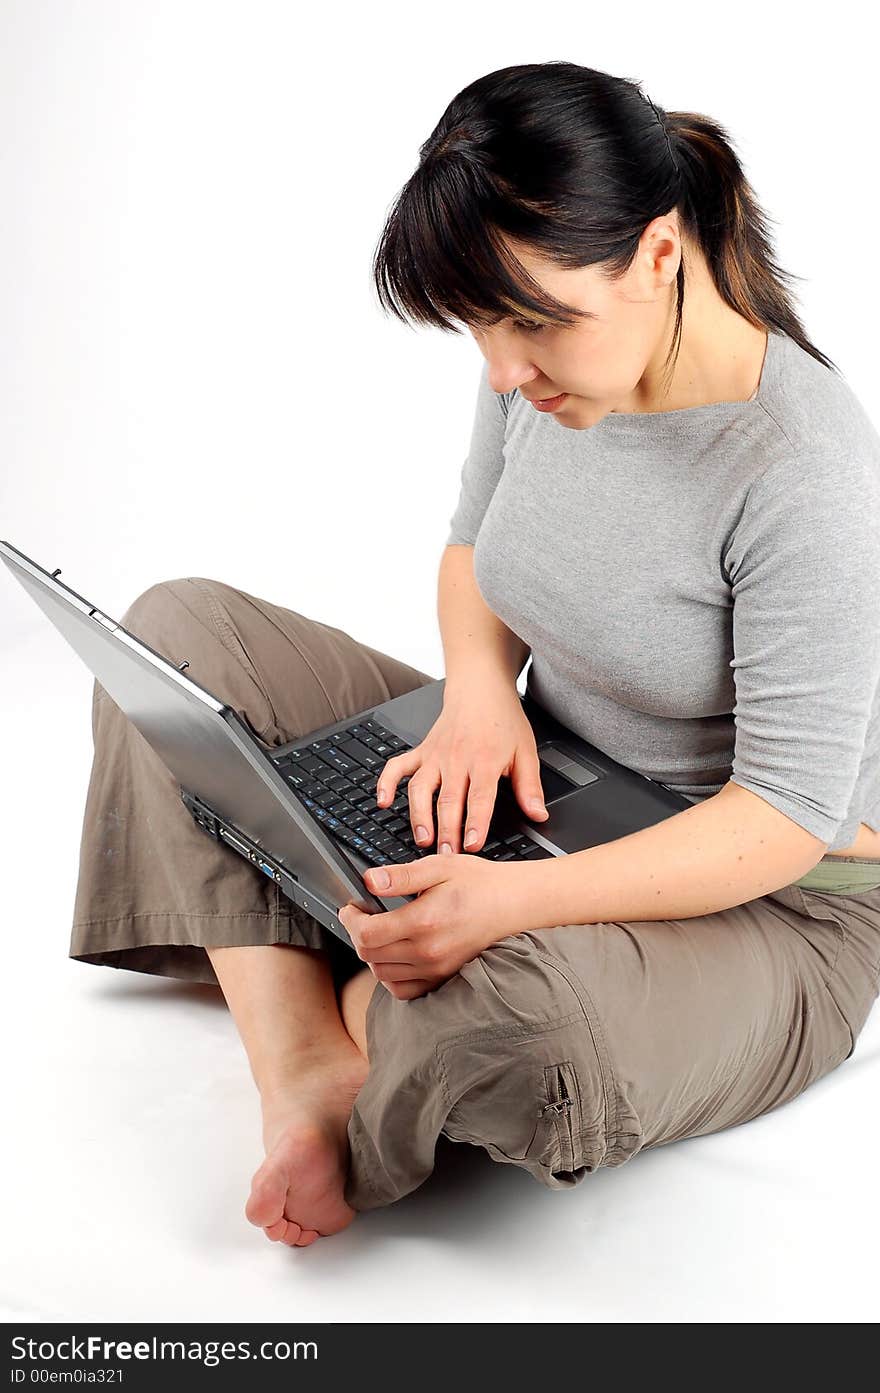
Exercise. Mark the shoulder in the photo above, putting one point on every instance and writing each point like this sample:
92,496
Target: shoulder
813,411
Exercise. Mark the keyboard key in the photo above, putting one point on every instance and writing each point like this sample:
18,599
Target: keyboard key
374,857
364,756
337,760
333,779
518,842
312,764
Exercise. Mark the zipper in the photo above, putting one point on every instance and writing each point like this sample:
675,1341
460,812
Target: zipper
563,1110
551,962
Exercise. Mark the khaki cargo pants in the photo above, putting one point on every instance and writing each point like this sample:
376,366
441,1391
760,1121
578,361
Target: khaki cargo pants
559,1050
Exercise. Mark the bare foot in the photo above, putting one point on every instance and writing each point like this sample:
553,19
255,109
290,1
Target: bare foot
297,1193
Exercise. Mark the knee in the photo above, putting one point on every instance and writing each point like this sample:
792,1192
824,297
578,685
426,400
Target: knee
172,616
164,596
154,601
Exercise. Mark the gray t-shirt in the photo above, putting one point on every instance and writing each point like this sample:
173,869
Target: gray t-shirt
700,588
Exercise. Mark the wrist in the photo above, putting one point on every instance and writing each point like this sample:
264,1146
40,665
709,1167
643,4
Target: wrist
478,676
531,896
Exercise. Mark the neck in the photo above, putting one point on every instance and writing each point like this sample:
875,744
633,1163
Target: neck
720,357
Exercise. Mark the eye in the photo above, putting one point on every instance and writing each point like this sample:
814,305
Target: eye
528,327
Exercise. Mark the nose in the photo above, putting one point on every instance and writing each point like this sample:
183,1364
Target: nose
509,370
509,365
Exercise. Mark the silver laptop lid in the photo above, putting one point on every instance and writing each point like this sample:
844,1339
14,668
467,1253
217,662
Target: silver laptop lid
209,748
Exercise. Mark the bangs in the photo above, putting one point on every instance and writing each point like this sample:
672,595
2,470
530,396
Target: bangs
442,262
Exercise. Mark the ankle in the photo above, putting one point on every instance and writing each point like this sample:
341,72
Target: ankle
302,1073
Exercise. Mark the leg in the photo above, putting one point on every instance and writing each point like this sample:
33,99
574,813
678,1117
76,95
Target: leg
308,1072
155,894
567,1049
354,1002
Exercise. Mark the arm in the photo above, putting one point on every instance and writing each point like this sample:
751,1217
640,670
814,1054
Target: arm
477,645
731,848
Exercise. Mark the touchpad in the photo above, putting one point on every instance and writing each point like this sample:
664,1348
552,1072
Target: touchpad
562,772
553,784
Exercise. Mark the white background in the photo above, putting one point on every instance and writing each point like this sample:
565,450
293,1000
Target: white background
197,380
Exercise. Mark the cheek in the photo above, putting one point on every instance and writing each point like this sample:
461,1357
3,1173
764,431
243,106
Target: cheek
609,365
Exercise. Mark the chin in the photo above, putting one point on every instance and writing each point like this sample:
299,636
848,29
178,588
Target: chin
580,415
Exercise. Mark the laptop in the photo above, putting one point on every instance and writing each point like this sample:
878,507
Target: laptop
305,813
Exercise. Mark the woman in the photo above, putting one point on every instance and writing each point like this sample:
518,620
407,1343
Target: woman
672,501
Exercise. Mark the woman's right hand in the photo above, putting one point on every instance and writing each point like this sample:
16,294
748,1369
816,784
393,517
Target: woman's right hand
478,736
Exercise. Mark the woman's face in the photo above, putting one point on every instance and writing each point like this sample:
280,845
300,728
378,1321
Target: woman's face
599,362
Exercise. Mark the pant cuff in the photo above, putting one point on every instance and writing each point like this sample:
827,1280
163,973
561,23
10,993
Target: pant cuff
172,944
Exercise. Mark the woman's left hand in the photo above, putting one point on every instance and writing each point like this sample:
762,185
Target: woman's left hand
465,903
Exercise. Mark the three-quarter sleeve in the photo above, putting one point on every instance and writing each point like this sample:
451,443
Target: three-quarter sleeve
804,566
483,464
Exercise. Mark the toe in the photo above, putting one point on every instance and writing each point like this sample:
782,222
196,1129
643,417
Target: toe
307,1236
291,1237
266,1201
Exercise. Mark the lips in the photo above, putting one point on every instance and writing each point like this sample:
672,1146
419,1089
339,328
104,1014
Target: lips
549,403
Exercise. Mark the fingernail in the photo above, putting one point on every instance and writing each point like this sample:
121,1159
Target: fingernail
381,879
421,834
470,837
446,849
536,805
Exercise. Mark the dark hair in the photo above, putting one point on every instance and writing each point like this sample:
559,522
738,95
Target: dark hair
573,163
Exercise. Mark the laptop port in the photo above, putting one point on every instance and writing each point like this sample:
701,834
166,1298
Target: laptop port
236,842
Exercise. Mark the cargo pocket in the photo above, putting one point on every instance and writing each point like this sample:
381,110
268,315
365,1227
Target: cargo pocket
519,1108
541,1095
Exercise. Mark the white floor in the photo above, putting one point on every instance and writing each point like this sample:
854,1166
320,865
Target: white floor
132,1131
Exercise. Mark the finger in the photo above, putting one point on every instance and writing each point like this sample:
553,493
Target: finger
405,878
397,971
481,801
402,950
392,772
372,933
526,780
421,791
408,991
450,810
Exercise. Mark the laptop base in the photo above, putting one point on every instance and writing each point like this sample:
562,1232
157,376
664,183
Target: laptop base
222,830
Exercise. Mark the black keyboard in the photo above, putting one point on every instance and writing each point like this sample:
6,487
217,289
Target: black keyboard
336,779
